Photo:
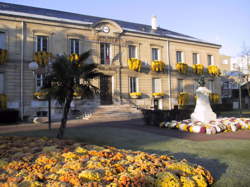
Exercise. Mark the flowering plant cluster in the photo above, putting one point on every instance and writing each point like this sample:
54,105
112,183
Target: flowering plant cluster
3,101
183,98
42,57
182,67
3,56
198,69
213,70
212,127
157,66
26,161
134,64
73,57
214,97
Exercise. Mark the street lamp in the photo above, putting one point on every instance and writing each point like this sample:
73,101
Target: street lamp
33,66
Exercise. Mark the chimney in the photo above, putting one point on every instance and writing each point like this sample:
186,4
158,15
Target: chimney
154,22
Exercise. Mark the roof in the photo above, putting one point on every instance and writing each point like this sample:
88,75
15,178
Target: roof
42,13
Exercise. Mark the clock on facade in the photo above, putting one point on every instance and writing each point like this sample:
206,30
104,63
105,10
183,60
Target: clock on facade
105,29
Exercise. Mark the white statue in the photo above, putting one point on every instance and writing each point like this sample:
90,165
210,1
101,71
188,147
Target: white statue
203,111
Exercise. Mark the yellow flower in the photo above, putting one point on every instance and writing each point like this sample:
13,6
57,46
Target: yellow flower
161,94
90,175
198,69
81,150
213,70
69,155
135,94
182,67
134,64
165,179
157,66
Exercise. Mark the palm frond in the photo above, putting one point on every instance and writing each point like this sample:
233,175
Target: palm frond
84,56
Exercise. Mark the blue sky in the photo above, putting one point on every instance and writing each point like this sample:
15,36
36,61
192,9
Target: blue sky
226,22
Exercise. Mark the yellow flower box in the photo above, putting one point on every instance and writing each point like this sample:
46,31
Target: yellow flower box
183,98
198,69
3,56
134,64
157,66
42,57
213,70
3,101
135,95
214,98
158,94
182,67
73,57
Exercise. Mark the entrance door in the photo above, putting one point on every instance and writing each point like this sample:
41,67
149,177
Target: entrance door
106,90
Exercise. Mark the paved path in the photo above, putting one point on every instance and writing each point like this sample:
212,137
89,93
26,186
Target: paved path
135,124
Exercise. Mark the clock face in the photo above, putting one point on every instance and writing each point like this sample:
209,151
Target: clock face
105,29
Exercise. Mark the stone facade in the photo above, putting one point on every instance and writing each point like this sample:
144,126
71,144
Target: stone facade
20,34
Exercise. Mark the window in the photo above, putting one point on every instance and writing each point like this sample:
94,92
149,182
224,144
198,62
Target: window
131,51
155,54
41,43
2,40
225,61
211,85
105,53
196,59
210,60
156,85
40,80
74,46
179,56
180,85
195,86
1,83
133,83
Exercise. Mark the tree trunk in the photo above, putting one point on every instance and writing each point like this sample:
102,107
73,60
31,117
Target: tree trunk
66,108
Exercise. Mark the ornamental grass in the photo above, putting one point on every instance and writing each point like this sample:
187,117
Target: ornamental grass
183,98
26,161
198,69
42,57
134,64
157,66
3,56
220,125
214,70
182,67
3,101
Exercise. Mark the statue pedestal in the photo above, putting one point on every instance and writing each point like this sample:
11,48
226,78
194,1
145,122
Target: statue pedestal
203,111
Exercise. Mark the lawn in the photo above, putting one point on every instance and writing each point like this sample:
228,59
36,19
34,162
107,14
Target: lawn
228,160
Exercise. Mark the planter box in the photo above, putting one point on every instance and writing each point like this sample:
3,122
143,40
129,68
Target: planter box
157,96
134,97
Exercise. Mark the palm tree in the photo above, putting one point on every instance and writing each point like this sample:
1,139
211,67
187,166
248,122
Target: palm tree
65,82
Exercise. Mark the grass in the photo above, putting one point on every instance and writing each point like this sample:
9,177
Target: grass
228,160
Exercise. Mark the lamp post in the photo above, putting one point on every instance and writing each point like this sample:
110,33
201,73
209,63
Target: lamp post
33,66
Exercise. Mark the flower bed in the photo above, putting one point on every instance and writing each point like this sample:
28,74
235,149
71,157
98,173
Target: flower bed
26,161
213,127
